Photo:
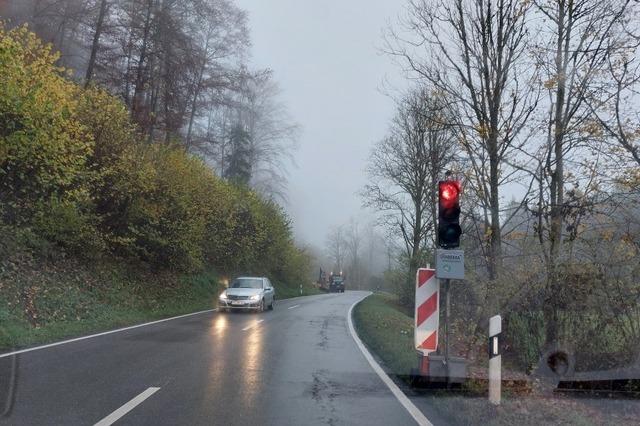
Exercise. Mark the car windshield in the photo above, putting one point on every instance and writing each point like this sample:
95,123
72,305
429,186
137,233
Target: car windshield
247,283
185,186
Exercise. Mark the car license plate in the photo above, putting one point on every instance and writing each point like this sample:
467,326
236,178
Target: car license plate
237,303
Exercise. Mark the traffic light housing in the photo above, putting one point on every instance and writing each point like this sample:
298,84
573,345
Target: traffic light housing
449,230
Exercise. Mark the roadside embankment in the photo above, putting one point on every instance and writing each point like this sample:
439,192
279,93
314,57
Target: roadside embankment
387,330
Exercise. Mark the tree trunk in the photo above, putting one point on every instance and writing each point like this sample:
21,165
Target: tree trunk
414,261
194,101
495,242
557,186
96,43
127,75
138,89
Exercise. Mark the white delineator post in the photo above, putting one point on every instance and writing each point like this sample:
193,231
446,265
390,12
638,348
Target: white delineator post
427,314
495,360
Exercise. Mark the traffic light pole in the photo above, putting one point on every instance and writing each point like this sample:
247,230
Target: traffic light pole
447,308
449,260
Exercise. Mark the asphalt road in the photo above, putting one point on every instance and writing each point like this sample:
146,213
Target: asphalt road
298,366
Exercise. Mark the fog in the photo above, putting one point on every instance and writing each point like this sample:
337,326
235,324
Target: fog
326,57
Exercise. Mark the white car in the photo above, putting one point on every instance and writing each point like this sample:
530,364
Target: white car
247,293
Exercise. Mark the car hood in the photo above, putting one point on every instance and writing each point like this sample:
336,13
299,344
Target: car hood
243,291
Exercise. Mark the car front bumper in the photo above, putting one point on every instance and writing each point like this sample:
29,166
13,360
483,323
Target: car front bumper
243,305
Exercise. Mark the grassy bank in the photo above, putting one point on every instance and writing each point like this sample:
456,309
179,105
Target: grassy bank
42,301
285,292
387,331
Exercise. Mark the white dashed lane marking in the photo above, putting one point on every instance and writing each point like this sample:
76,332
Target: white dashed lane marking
116,415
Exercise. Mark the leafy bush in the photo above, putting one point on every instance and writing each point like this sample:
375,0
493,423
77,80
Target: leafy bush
63,223
43,146
524,337
76,178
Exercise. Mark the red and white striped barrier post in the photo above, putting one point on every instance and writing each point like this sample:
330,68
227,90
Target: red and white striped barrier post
427,314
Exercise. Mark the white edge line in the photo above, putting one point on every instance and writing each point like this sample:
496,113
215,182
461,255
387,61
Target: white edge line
113,417
294,306
91,336
400,396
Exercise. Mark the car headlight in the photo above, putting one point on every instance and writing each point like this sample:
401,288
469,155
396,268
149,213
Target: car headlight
255,297
223,296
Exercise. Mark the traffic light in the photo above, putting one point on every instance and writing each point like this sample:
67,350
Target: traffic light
449,214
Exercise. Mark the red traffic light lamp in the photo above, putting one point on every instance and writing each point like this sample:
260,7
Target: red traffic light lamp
449,230
449,193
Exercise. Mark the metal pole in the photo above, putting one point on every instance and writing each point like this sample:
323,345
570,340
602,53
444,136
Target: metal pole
447,287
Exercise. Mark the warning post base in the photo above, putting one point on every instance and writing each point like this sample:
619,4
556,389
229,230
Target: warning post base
436,371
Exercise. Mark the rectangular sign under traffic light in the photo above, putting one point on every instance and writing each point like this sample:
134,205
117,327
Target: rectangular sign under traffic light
450,264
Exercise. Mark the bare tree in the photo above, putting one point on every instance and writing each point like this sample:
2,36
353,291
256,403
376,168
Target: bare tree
59,22
218,59
96,41
474,53
274,135
615,105
353,239
580,37
375,258
336,247
405,166
253,101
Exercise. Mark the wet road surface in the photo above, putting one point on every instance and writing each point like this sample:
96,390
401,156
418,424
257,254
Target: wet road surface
296,365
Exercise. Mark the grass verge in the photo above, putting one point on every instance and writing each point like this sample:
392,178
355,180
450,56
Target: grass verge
387,331
42,303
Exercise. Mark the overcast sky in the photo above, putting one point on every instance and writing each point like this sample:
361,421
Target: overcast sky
325,55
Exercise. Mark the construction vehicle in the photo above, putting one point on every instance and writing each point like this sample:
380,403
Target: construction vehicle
334,283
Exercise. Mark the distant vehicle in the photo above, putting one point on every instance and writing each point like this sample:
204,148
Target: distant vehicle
333,283
248,293
336,283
